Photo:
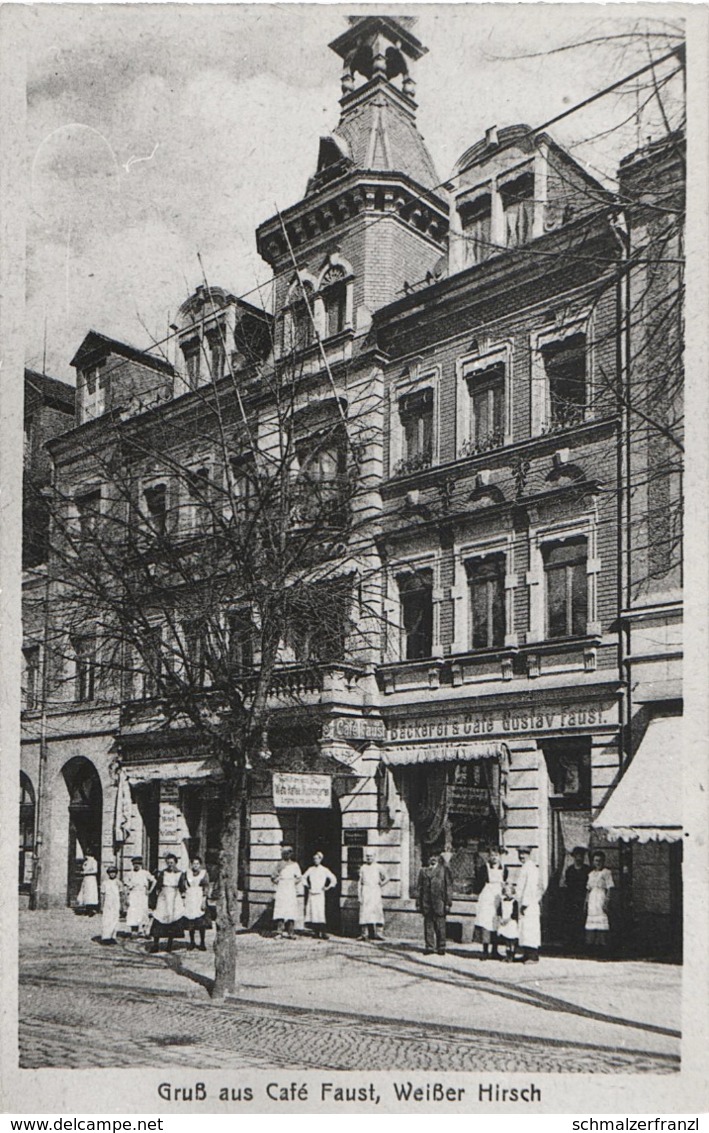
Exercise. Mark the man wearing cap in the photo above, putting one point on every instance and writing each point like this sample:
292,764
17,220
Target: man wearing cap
528,900
139,884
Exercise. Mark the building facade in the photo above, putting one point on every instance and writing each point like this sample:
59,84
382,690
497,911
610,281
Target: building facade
466,340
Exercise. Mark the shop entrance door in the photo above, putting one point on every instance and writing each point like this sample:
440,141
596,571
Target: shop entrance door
322,830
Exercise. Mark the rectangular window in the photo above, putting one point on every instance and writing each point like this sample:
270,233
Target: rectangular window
88,506
301,324
198,489
153,662
518,208
486,579
566,587
318,621
156,505
31,659
321,476
476,220
192,355
416,598
335,300
84,646
486,389
240,631
565,368
217,354
416,414
242,486
196,642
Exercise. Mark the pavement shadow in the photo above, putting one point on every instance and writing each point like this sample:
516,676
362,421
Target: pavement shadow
173,961
528,996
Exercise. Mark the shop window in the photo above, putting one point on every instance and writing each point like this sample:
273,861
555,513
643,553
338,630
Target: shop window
88,507
568,763
155,498
518,209
416,417
240,631
486,580
416,599
565,368
455,809
476,221
84,648
31,655
486,390
335,304
566,584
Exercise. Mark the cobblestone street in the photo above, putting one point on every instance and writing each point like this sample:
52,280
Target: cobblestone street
83,1005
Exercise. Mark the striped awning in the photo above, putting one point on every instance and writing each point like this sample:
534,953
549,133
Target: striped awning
646,804
444,753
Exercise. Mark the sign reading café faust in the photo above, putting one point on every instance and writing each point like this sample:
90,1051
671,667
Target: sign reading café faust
302,791
503,721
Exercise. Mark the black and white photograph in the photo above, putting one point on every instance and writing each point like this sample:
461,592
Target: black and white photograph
352,754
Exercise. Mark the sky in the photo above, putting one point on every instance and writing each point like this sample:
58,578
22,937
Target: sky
159,132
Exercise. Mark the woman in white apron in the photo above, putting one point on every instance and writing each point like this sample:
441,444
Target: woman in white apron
287,879
317,880
168,920
487,917
372,880
599,885
196,892
139,883
110,905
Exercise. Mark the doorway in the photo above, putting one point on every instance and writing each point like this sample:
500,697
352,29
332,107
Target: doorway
85,820
310,830
27,820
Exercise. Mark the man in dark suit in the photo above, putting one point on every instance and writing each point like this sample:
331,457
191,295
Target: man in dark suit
434,900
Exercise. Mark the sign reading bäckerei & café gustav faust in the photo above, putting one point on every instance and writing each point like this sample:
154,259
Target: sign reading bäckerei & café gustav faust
503,721
302,791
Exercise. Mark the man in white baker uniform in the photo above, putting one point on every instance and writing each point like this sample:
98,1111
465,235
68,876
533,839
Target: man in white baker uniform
528,896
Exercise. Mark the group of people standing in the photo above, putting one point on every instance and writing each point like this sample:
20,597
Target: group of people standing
315,882
180,900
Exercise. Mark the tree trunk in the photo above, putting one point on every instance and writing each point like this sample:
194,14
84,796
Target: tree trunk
225,949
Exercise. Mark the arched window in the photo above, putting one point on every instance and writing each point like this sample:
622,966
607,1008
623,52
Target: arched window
27,820
299,329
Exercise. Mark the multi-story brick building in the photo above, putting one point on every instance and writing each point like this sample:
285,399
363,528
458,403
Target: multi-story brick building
469,335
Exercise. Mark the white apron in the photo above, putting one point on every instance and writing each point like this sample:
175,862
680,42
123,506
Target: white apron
111,894
195,895
138,883
369,888
600,881
170,907
490,900
507,928
88,893
530,931
318,879
287,878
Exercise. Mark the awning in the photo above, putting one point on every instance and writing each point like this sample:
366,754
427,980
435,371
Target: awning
443,753
646,805
183,770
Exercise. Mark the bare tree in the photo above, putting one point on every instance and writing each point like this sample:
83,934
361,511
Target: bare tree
220,554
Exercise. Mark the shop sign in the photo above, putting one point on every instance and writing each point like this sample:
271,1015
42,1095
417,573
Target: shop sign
302,791
500,722
354,837
468,800
354,728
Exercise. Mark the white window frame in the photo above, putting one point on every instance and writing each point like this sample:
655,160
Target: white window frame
416,380
319,314
460,591
395,643
540,400
585,526
96,407
478,362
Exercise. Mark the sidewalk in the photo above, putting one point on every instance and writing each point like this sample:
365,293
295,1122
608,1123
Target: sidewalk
628,1005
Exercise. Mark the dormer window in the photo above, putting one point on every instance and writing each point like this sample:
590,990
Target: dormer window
93,393
476,219
517,197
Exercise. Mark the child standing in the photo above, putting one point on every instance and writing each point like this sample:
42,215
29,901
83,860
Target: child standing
508,929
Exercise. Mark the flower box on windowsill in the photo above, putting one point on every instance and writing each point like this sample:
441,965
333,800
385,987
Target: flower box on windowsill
410,464
474,447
